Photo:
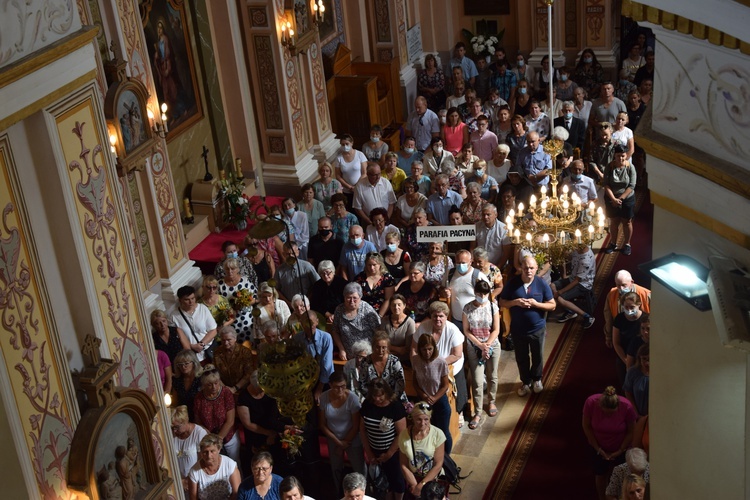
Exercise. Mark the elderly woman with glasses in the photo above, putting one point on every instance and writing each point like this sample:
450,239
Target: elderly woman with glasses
214,476
339,422
234,361
353,320
422,449
186,437
380,228
271,308
229,288
186,380
264,485
328,292
214,409
377,284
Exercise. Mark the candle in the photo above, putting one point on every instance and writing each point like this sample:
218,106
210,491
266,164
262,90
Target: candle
591,232
566,205
528,238
532,202
238,167
512,213
578,236
520,209
188,210
516,236
509,221
600,229
600,211
544,206
592,208
562,237
545,239
565,190
543,190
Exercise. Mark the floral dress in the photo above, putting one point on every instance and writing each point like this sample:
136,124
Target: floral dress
434,274
471,214
244,322
436,81
375,296
417,303
393,375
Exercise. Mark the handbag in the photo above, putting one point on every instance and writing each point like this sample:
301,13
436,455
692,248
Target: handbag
377,481
208,351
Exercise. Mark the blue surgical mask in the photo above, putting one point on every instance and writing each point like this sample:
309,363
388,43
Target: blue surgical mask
478,172
588,60
346,148
521,64
576,177
631,312
409,150
375,139
392,247
289,211
568,116
357,241
563,78
522,90
623,291
462,267
232,255
480,298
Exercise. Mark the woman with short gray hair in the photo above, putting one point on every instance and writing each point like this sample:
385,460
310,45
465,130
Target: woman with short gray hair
353,320
354,485
328,292
417,293
636,462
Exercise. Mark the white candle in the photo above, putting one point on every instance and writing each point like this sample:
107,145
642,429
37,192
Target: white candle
592,208
517,236
528,238
562,237
600,229
591,232
532,201
520,209
545,239
578,236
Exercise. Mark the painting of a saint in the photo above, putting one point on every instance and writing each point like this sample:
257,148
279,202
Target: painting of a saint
131,121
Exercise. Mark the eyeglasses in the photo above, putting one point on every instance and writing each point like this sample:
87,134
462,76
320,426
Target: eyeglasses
424,406
604,126
186,363
212,287
258,470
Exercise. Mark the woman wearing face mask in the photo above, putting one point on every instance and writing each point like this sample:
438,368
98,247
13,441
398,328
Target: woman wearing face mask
376,148
455,133
297,219
396,259
481,319
542,78
566,86
408,155
487,184
524,72
350,166
625,328
588,73
521,103
436,159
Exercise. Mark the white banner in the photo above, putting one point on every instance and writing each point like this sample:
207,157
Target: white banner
439,234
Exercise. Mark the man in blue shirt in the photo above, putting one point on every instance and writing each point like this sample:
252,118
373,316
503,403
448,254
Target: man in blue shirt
352,261
440,202
466,64
423,124
536,164
320,346
529,299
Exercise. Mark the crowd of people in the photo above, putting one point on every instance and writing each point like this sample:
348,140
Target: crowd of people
349,280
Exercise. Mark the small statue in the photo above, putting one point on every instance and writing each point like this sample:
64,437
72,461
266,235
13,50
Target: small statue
208,175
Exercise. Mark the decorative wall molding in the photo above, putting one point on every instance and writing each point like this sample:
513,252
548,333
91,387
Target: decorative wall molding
673,22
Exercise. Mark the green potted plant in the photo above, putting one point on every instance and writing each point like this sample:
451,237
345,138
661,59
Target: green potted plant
237,204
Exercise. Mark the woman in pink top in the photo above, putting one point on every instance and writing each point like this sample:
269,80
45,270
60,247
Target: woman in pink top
608,423
455,133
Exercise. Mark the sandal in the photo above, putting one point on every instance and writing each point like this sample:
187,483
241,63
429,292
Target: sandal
474,422
492,411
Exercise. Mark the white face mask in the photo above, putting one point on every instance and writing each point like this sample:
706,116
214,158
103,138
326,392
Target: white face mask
346,148
438,150
480,298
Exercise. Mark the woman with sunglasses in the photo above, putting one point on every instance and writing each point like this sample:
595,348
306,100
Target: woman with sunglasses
422,450
215,302
186,380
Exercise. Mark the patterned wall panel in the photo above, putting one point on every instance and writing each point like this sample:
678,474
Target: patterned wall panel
269,92
26,346
142,244
382,22
134,51
595,19
321,102
401,20
169,215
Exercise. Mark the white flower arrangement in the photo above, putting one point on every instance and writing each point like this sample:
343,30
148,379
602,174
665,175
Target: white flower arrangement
483,45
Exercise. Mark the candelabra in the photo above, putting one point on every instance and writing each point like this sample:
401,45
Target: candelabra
318,12
287,37
555,225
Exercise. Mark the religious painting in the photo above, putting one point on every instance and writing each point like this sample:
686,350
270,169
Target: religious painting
328,27
486,7
132,119
168,40
118,460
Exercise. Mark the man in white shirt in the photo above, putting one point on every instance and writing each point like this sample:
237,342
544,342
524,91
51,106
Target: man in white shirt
582,185
194,321
493,236
461,285
371,192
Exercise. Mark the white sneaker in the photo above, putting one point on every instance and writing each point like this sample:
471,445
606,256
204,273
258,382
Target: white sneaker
538,387
524,390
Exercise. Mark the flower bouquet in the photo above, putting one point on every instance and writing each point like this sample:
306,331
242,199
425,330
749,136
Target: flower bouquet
483,44
291,441
237,204
242,299
224,313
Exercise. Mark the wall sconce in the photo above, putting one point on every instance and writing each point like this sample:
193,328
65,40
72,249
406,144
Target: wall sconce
319,11
159,127
684,276
287,37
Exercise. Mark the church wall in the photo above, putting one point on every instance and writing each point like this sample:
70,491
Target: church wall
13,484
698,387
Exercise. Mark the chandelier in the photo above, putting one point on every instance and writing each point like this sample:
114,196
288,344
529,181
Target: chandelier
555,225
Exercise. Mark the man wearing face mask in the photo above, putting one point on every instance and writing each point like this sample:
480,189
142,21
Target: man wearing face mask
354,253
231,252
582,185
324,246
493,236
460,286
288,273
575,126
624,284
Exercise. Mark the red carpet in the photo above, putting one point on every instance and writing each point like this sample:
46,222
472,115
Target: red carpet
558,464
